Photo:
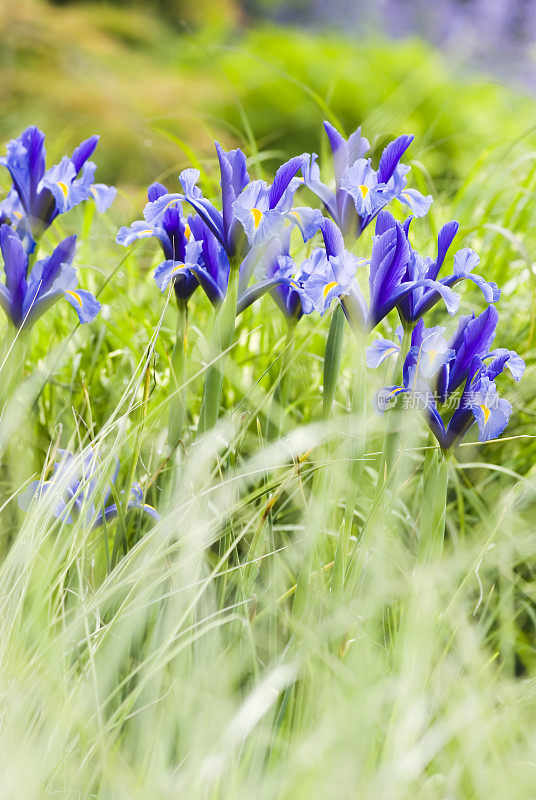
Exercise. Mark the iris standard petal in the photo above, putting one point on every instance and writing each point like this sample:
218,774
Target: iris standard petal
83,152
15,266
391,156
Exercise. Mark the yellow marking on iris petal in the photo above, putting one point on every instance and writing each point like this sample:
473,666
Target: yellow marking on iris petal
75,295
406,195
294,284
257,216
391,350
364,190
432,354
328,287
296,214
64,189
168,205
187,232
177,268
17,214
486,412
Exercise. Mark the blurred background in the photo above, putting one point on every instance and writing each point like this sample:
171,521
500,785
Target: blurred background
159,79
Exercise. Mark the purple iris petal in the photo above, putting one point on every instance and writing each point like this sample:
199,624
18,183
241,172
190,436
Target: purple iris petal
283,176
379,350
391,156
505,358
470,341
15,266
83,152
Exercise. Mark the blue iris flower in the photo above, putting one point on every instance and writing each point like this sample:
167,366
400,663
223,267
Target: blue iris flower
329,277
179,244
256,209
251,211
288,293
329,272
77,480
205,261
360,191
39,195
423,272
25,297
457,374
400,278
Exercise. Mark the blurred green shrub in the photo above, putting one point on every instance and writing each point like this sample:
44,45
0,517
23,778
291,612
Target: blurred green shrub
159,96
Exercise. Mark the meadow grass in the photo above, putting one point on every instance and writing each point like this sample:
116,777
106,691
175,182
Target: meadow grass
235,648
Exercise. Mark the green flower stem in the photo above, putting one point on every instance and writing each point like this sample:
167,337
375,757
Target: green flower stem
177,406
12,358
332,359
281,394
122,502
381,507
434,502
393,430
224,326
356,459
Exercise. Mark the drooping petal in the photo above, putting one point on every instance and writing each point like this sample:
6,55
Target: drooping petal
138,230
35,491
385,398
103,195
167,271
505,358
491,412
419,203
170,269
308,220
256,291
84,303
379,350
260,222
451,299
361,183
465,261
155,209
